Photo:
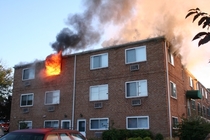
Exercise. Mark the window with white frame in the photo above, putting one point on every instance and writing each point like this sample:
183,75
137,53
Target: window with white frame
52,97
175,122
26,99
205,92
51,124
170,57
136,88
207,111
137,54
191,82
99,61
25,124
193,104
28,73
99,92
99,123
137,122
66,124
173,89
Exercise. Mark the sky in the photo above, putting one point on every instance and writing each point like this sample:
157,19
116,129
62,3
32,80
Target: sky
29,28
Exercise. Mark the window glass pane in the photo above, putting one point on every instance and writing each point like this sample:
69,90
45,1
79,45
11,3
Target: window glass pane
131,89
130,55
132,122
52,97
26,74
94,124
104,60
143,88
142,123
94,93
141,54
65,124
23,100
96,61
81,126
103,92
103,123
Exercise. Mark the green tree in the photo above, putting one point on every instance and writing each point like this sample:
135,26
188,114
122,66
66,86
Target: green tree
194,128
204,22
6,81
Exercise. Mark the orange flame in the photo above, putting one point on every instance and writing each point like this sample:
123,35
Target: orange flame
53,64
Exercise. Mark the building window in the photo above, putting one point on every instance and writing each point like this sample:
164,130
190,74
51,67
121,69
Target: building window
207,111
173,89
137,122
199,108
205,92
137,54
204,110
25,124
65,124
26,99
175,122
99,61
193,104
51,124
28,74
191,82
99,92
170,57
99,124
52,97
136,89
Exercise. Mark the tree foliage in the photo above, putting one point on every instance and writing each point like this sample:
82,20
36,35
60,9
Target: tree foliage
6,81
194,128
204,21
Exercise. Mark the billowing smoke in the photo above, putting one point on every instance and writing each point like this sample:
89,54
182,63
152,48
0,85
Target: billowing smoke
111,22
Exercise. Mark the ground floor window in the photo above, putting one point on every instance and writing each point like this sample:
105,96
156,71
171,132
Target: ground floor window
66,124
25,124
99,123
174,122
51,123
137,122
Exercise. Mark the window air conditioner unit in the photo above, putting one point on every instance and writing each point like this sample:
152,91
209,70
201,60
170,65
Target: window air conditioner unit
136,102
98,105
27,83
134,67
98,134
25,110
51,108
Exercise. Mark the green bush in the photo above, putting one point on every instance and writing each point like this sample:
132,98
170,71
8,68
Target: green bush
147,138
138,138
159,136
123,134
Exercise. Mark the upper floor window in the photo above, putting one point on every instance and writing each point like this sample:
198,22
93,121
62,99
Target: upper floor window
26,99
136,88
52,97
175,122
99,123
25,124
191,82
28,73
137,122
170,57
173,89
51,124
99,61
99,92
137,54
205,92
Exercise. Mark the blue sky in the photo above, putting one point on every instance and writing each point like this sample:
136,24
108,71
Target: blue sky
27,27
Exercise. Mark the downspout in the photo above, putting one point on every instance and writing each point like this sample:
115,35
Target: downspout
168,89
73,97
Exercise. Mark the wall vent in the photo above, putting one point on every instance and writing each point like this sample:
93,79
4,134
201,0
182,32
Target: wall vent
98,105
134,67
27,83
98,134
51,108
25,110
136,102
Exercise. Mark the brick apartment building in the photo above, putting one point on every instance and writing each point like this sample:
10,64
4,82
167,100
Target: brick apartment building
138,85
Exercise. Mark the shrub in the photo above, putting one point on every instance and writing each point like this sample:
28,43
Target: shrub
159,136
147,138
